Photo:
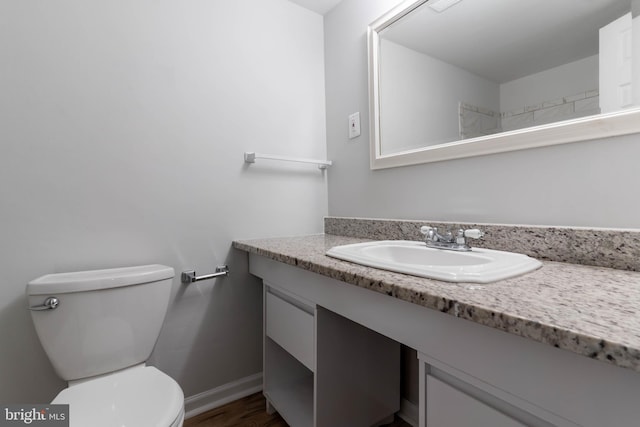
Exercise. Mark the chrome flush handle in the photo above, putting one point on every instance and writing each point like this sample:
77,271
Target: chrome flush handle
50,303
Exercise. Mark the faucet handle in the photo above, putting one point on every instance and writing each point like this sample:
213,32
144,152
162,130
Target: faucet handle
473,233
430,233
425,229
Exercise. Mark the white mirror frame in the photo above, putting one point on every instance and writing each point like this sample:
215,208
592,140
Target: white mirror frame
583,129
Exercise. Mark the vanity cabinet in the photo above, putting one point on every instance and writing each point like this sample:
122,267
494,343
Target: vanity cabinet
467,371
451,398
448,406
291,324
321,369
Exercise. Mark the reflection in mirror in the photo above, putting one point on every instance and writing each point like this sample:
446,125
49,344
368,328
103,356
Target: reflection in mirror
449,70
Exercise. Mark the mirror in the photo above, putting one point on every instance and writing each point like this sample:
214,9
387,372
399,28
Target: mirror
460,78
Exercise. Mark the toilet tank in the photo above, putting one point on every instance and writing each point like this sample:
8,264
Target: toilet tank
106,320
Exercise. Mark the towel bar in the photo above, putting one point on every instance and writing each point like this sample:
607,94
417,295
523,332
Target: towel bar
250,157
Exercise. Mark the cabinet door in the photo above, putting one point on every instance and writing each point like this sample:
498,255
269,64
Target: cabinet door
449,407
292,328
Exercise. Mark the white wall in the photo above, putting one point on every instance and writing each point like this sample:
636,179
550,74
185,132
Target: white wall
568,79
579,184
123,126
425,93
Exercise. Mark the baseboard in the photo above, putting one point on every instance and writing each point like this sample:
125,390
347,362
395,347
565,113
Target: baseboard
216,397
408,412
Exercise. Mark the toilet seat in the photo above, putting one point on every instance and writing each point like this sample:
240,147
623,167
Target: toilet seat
137,397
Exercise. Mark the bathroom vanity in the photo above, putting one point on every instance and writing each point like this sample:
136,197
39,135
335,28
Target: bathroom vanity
556,347
319,367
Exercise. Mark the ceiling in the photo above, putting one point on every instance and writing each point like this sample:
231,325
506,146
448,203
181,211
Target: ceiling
318,6
503,40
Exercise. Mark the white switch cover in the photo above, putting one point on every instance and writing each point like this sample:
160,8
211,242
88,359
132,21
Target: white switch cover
354,125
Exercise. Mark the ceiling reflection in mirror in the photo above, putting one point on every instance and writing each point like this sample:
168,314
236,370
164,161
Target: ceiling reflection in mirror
453,70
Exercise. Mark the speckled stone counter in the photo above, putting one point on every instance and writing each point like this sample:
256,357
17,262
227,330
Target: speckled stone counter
591,311
601,247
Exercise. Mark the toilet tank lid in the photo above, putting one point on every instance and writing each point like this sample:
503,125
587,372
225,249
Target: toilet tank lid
80,281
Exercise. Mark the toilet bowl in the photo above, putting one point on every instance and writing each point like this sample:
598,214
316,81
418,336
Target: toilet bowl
98,333
139,396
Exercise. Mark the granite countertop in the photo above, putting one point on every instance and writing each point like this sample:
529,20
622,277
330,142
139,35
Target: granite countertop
591,311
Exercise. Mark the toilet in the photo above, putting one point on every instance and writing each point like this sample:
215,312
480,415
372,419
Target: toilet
98,328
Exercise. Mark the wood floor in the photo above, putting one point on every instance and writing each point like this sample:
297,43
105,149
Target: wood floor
248,412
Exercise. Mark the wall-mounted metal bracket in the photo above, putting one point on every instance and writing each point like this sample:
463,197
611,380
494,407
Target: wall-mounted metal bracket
190,275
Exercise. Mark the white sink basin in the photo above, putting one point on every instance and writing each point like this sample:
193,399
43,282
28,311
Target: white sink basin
415,258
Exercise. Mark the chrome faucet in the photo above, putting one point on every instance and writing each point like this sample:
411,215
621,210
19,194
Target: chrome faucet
448,240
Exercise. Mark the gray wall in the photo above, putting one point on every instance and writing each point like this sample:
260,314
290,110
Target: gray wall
580,184
425,91
567,79
123,126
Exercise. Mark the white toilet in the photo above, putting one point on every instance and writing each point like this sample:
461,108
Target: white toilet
98,328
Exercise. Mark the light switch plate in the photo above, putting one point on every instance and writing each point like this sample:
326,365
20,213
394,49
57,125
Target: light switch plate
354,125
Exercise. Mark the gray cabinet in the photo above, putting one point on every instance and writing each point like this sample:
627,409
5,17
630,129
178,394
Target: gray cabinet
490,371
449,407
455,398
321,369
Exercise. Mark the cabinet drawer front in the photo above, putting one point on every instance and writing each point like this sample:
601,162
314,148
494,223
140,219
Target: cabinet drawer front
447,406
292,328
